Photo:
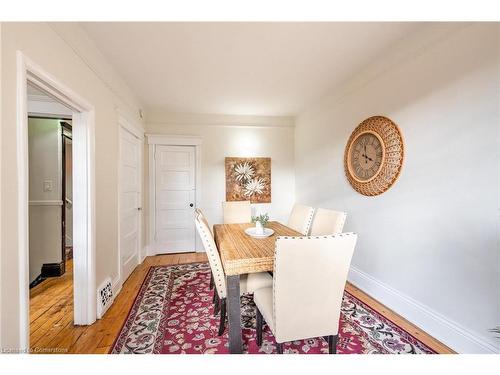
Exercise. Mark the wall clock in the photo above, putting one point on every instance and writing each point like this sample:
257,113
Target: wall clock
374,155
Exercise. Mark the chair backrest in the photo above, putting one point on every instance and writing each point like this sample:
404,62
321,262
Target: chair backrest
301,218
198,214
310,274
213,256
237,212
327,222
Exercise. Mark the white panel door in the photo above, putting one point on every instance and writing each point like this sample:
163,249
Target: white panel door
130,202
175,198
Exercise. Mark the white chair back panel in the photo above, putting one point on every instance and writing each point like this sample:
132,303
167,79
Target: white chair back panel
198,214
327,222
213,257
309,280
301,218
237,212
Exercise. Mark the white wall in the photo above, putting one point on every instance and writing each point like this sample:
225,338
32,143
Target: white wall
428,247
45,153
266,137
66,53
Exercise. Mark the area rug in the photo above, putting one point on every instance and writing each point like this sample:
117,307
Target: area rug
173,314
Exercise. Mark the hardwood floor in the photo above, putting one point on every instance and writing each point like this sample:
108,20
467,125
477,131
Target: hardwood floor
430,341
51,312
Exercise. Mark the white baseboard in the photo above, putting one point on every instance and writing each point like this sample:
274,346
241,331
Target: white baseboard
151,251
144,253
116,286
445,330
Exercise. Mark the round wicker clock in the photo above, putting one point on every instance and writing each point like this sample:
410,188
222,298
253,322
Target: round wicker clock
374,156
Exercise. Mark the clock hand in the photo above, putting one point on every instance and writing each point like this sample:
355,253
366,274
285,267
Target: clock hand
366,157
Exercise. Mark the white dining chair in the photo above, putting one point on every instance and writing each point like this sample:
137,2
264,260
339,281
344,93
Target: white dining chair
236,212
199,213
308,284
300,218
201,216
327,222
248,283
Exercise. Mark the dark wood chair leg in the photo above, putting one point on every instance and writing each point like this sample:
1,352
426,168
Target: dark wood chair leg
216,303
259,326
332,344
211,280
279,347
222,322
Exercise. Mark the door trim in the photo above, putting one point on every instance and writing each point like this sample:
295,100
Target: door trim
128,125
170,140
63,126
84,285
126,122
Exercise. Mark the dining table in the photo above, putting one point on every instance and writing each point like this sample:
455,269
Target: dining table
243,254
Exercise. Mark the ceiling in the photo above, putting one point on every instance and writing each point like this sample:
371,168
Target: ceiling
266,69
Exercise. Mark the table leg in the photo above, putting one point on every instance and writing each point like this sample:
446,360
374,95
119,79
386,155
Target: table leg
234,314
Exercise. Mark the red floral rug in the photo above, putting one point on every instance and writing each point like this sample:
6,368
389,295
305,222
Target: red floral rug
173,314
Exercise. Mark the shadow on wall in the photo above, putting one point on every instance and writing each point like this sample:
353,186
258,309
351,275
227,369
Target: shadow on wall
439,221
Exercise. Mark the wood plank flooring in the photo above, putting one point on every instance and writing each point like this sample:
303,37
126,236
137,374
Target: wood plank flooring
51,312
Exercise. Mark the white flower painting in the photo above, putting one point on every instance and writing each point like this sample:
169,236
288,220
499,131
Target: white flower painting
243,172
255,186
248,179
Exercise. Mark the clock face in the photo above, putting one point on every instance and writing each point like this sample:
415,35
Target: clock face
374,155
366,156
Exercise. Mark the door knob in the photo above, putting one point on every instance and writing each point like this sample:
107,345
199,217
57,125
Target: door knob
139,208
191,205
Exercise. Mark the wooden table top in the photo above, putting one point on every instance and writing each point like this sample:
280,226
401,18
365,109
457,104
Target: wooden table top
241,254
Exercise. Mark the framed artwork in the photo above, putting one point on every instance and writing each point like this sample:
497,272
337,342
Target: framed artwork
248,179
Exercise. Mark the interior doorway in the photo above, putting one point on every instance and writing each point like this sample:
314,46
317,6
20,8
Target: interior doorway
50,214
50,197
175,193
83,188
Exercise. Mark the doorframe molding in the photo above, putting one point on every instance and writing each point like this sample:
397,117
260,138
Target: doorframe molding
85,308
170,140
125,120
125,123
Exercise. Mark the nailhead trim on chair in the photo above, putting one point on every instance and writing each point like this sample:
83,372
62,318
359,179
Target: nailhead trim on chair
316,237
309,222
218,274
275,272
340,225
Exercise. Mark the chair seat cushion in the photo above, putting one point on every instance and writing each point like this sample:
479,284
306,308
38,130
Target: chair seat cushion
263,299
254,281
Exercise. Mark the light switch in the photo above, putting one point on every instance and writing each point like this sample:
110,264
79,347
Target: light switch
47,185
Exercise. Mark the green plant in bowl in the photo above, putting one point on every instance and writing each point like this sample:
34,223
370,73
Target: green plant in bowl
262,218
